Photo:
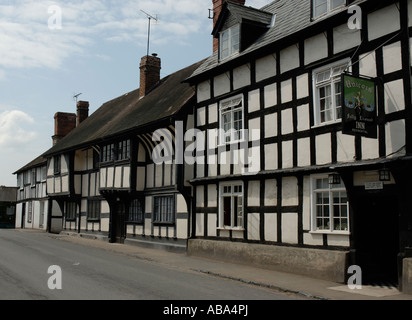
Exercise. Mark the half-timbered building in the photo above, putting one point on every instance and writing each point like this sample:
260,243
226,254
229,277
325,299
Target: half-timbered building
310,197
103,177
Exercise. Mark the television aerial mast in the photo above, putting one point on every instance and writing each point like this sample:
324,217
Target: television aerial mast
150,17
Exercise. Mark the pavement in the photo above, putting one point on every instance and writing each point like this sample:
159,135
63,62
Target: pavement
289,283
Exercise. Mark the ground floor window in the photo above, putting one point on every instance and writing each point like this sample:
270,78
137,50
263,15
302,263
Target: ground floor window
231,205
164,209
29,212
70,211
135,211
330,207
93,210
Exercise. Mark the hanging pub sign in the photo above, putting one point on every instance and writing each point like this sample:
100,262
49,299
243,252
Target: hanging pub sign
359,106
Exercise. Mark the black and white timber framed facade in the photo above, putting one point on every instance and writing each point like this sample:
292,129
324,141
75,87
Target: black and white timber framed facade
288,81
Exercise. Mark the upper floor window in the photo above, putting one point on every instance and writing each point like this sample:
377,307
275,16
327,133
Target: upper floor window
229,41
321,7
116,151
57,164
327,86
231,120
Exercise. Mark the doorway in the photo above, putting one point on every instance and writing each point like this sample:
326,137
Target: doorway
377,238
23,215
118,223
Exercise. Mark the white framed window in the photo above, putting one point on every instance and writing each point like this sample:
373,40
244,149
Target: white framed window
229,41
327,95
231,120
231,205
321,7
330,206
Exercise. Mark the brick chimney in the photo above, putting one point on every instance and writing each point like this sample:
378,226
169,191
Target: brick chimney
150,67
64,123
217,8
82,111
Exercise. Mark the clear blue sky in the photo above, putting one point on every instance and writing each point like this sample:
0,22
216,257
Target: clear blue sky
96,52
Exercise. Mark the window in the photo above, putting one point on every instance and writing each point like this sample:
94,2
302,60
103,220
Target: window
29,211
330,208
229,42
116,151
135,212
321,7
57,164
231,205
231,120
70,211
327,86
164,209
93,210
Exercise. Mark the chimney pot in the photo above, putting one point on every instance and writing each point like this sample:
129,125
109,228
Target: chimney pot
150,67
82,111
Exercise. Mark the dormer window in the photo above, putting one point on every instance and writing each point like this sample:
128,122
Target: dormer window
229,41
321,7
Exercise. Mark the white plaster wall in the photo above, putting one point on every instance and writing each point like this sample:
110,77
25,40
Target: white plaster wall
271,232
395,137
140,178
290,191
271,125
392,57
241,76
118,177
289,58
370,148
323,149
313,239
213,113
200,198
212,224
253,226
181,226
270,94
271,192
306,203
290,228
254,124
224,162
302,86
265,67
287,154
303,152
212,195
346,147
316,48
110,173
149,177
287,121
367,64
345,38
303,117
221,84
271,156
394,96
254,100
338,240
286,91
203,91
199,224
383,21
201,116
254,194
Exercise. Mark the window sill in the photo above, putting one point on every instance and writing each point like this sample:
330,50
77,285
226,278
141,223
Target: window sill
341,233
324,124
231,228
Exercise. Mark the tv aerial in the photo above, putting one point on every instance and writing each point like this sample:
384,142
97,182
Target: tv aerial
76,96
150,17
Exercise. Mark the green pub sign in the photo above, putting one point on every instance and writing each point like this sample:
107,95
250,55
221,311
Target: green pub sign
359,106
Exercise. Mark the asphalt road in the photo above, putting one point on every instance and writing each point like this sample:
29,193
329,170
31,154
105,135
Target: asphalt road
92,273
